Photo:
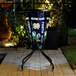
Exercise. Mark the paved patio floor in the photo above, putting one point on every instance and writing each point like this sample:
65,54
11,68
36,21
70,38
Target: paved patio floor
37,65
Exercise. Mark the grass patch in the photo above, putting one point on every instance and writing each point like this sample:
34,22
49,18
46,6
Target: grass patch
71,32
70,54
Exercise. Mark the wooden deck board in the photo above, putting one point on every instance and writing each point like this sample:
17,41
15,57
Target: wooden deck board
26,71
5,68
65,68
32,72
37,65
38,71
75,72
49,70
58,69
13,70
43,63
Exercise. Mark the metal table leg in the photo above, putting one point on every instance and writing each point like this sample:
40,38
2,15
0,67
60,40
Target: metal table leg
49,59
25,59
30,54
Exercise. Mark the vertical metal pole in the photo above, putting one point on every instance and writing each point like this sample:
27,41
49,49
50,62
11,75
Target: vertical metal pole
21,3
30,4
14,8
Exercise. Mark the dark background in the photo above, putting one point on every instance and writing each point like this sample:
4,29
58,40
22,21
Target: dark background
72,15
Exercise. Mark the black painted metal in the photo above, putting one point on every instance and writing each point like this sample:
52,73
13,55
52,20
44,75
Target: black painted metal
49,59
26,58
29,55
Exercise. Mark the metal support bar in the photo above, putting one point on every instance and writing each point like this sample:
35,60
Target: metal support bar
30,54
25,59
49,59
